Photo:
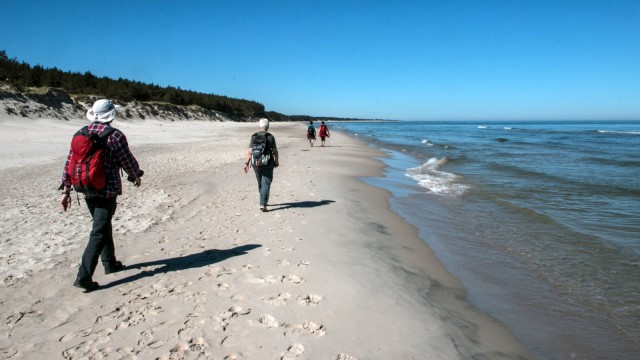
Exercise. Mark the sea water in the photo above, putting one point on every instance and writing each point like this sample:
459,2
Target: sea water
540,221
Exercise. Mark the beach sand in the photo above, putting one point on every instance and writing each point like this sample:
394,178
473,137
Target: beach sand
328,273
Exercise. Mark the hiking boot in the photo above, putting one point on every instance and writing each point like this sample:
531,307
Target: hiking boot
86,284
112,268
263,208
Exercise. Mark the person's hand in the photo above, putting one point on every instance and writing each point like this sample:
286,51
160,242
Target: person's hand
137,182
277,163
246,168
66,201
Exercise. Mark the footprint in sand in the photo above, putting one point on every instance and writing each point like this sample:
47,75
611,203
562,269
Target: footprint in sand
305,328
234,356
134,317
289,249
8,352
293,352
23,316
310,299
179,350
83,350
146,340
197,345
292,279
225,272
103,337
235,311
74,335
280,299
220,324
282,262
269,279
344,356
199,297
269,321
188,326
238,297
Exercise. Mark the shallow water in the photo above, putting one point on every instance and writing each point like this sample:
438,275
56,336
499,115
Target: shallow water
540,220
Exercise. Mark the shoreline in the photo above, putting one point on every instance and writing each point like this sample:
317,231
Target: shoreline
330,272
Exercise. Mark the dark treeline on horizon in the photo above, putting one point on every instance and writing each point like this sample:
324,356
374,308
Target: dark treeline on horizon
22,75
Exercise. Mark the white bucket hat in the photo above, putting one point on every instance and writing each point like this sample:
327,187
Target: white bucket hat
103,111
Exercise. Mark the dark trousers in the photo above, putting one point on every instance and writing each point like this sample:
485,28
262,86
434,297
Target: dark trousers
101,237
264,175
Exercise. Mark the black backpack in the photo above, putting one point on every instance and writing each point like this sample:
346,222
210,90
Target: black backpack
260,150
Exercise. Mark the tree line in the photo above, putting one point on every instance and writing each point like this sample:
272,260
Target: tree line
22,75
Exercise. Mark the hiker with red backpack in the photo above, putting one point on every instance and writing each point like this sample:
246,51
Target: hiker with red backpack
263,157
98,152
324,133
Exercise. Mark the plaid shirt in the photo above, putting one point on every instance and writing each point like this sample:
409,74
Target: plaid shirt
116,157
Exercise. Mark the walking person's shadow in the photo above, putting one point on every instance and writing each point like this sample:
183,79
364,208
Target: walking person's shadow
299,204
200,259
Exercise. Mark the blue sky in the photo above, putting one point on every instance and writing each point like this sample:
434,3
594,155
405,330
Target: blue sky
412,60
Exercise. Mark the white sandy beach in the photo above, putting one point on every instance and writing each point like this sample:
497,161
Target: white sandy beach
328,273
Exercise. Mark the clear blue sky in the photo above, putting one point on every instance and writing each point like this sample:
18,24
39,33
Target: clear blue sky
429,59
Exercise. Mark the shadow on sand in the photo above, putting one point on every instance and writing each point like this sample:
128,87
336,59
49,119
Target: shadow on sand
201,259
299,204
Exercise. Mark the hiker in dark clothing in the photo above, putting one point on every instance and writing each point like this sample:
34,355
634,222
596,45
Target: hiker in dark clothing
102,202
311,133
263,157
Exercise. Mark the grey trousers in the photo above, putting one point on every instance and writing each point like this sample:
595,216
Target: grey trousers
264,175
101,237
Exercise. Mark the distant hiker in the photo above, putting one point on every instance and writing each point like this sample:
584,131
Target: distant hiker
311,133
263,157
324,132
98,139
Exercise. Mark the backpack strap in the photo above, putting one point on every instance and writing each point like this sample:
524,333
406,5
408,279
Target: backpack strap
267,136
106,132
84,131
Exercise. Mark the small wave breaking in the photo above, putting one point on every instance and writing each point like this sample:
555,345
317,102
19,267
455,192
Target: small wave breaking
438,182
619,132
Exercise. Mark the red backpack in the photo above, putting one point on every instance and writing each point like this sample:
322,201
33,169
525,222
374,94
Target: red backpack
86,166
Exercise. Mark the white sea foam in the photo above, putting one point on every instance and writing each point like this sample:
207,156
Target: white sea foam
439,182
482,127
427,142
619,132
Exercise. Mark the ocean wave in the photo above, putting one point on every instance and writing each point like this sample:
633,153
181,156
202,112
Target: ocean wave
427,142
619,132
482,127
439,182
